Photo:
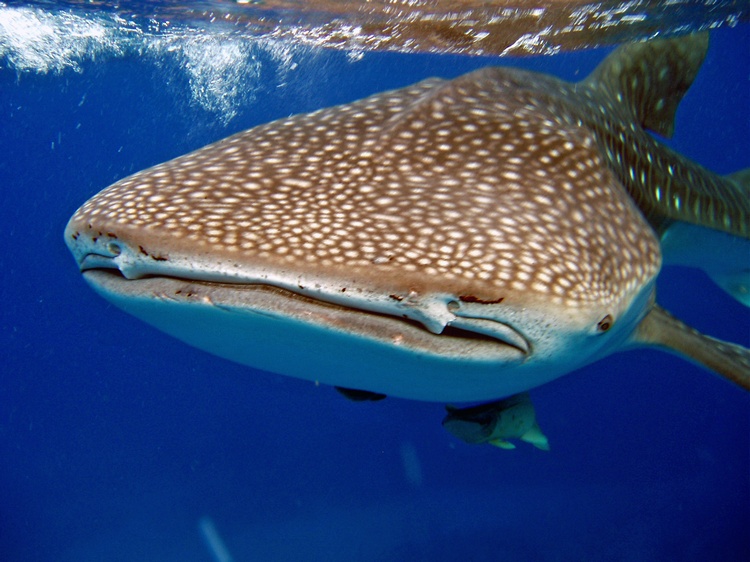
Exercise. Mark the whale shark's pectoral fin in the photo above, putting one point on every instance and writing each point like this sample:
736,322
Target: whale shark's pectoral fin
736,283
731,269
736,280
723,257
660,329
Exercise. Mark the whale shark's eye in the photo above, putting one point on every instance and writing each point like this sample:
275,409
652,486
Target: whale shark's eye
605,323
114,248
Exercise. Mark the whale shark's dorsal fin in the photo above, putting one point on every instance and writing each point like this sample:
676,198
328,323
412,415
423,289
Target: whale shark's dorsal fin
651,78
639,87
660,329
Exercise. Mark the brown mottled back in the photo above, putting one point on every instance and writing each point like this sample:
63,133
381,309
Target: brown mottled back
470,185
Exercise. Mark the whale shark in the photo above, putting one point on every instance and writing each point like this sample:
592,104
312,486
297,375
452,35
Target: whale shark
453,241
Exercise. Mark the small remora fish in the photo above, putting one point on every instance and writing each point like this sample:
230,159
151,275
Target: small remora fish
451,241
497,422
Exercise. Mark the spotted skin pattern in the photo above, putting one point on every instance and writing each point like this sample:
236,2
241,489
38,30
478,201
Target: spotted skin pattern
469,183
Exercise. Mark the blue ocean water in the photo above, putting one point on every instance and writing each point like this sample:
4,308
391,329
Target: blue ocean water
118,443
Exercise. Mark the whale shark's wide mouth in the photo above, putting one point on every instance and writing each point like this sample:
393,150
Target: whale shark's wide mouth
465,336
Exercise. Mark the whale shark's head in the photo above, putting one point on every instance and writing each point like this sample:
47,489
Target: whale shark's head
448,241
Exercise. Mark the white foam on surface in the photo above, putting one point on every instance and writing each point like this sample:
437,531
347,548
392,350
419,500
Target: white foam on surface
39,41
223,70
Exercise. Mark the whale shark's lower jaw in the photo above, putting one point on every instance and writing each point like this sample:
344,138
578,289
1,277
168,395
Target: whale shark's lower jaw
283,332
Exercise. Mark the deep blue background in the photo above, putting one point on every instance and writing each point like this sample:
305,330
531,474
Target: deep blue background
115,439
